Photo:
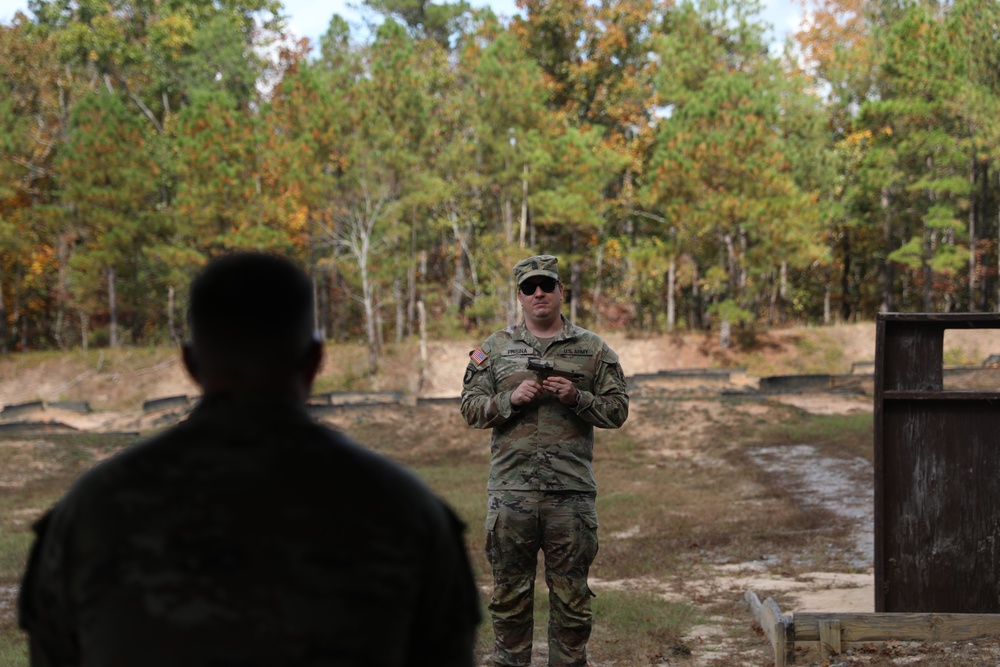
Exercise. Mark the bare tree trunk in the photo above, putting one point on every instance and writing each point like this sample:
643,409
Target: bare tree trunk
508,217
742,265
62,254
972,238
524,206
112,309
783,291
725,333
16,319
671,297
885,276
772,305
380,329
598,282
826,303
457,286
171,324
731,267
927,254
397,296
3,321
411,280
84,329
371,331
696,305
422,317
576,289
845,275
928,273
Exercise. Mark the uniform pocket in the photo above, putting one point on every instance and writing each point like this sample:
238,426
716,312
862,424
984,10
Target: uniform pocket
589,534
491,541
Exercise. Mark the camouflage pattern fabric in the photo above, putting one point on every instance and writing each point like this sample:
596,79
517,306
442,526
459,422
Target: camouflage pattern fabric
249,535
518,523
539,265
541,483
546,446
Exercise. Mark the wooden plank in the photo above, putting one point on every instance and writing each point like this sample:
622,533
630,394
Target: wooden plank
765,616
778,628
948,395
788,625
867,627
829,637
952,320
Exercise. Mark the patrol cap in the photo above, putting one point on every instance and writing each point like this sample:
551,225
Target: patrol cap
539,265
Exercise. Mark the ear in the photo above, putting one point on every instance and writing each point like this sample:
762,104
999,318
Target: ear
190,362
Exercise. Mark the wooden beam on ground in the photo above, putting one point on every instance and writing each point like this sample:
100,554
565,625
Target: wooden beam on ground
929,627
829,637
778,628
828,634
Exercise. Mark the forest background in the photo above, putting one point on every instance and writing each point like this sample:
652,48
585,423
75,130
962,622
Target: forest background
687,175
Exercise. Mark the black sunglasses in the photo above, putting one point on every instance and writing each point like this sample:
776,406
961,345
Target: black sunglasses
547,285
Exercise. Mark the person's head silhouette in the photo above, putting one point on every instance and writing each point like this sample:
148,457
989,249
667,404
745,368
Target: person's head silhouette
252,327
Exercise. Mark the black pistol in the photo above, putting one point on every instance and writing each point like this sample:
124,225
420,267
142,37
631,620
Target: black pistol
546,369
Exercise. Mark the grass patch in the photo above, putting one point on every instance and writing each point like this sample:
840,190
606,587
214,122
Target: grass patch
851,435
818,354
13,648
956,356
630,627
633,625
14,547
675,496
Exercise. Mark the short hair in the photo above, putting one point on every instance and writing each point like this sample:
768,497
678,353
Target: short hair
252,312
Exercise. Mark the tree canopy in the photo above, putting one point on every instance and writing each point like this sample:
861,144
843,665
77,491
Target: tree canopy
688,173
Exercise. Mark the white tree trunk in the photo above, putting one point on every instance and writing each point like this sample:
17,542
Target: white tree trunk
113,309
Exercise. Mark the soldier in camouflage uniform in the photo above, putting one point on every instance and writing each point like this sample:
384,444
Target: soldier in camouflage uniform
249,534
541,489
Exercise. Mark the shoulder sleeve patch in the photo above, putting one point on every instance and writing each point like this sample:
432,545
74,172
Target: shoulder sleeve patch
478,356
609,355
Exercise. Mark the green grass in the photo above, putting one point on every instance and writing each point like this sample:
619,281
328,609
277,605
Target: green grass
848,435
634,624
662,518
13,648
14,547
818,353
630,627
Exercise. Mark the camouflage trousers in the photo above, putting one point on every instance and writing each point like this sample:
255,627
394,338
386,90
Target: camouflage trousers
564,526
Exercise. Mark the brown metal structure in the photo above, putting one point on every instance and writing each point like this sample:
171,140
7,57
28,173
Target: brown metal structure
937,473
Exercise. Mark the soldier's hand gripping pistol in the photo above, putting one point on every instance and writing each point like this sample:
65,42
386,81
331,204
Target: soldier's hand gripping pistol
546,369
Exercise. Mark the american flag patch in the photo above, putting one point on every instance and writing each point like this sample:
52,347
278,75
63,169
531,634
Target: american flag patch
477,356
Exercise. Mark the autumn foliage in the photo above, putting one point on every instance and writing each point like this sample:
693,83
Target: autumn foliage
689,172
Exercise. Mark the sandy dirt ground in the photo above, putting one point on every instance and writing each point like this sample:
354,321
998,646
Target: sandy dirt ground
844,489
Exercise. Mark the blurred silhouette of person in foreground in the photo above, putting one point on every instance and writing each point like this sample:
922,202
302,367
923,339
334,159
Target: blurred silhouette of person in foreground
249,534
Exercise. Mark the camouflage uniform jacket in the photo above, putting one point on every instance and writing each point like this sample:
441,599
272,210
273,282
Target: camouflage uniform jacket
544,446
249,535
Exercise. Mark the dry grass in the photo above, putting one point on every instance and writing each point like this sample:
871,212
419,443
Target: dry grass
679,498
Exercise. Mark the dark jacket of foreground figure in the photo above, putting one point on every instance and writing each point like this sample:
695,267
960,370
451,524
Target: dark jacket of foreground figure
249,535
